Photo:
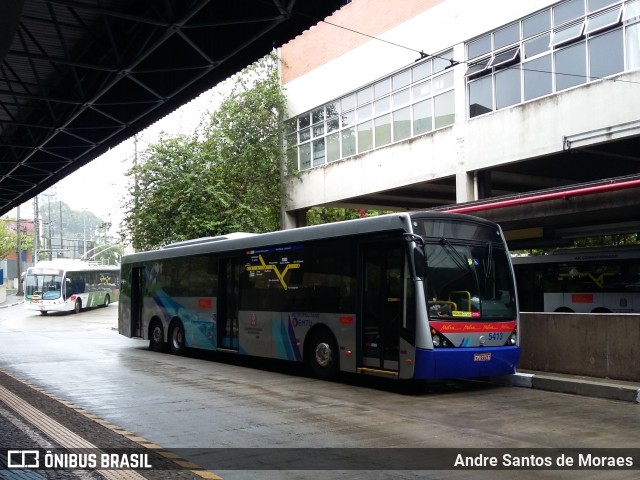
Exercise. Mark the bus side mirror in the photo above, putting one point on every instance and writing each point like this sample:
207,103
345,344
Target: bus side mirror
419,262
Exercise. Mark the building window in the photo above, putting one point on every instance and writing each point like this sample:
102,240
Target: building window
365,137
571,66
563,46
606,56
401,124
507,87
444,110
633,46
413,101
537,77
383,130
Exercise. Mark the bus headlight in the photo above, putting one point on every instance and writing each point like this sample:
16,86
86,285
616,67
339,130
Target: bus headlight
513,339
436,340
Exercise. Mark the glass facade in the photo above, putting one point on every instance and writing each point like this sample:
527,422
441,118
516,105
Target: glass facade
411,102
563,46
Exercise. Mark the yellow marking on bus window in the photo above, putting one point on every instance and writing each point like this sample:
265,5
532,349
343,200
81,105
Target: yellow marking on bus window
263,266
598,281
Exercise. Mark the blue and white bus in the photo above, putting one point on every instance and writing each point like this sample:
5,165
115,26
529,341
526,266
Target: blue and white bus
417,295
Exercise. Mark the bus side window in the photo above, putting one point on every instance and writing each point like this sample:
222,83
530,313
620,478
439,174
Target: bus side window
68,288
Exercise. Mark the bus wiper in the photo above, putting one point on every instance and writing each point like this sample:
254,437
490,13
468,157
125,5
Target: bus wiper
458,259
487,268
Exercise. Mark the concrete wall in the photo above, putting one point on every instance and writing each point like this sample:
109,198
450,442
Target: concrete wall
602,346
528,130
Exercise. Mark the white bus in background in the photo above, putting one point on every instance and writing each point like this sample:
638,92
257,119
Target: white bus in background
580,280
70,286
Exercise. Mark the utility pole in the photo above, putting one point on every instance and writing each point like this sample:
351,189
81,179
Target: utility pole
19,256
36,230
49,221
61,246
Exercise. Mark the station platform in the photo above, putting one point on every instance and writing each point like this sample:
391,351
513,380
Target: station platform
31,418
574,384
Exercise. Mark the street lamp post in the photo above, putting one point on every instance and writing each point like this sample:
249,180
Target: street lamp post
19,256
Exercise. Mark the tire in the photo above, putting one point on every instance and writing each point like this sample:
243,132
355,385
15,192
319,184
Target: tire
156,337
177,343
43,312
323,355
78,306
107,301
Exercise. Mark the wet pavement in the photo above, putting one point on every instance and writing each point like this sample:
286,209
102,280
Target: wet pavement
38,429
33,419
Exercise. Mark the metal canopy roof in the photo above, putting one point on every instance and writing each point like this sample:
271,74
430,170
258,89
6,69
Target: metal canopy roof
81,76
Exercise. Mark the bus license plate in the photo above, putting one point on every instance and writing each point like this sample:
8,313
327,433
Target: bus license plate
482,357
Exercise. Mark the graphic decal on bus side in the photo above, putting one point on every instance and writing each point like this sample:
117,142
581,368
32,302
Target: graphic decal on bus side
279,267
285,340
473,334
197,314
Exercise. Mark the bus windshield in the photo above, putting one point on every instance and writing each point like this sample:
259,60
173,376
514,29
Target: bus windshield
47,287
469,281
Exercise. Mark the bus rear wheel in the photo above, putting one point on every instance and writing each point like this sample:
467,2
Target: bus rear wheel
78,306
156,337
176,338
323,355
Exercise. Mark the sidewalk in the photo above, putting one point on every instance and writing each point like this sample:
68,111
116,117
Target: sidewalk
574,384
12,299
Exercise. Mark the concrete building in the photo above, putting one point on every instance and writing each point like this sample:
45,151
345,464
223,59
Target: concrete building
434,103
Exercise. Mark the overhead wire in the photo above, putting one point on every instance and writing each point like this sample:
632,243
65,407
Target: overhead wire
454,62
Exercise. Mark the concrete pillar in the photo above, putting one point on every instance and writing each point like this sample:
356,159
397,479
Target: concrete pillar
294,219
464,187
483,184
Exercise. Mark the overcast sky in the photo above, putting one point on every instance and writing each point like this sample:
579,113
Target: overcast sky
101,185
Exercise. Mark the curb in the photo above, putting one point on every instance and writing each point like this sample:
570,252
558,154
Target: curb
7,305
590,387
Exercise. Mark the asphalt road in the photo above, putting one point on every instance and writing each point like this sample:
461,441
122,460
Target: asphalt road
219,402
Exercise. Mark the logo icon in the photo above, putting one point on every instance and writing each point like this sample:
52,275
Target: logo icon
23,458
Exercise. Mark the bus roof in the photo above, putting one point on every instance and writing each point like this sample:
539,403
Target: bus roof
390,222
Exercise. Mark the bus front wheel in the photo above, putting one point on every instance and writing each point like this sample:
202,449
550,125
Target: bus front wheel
323,355
156,337
176,338
107,300
78,306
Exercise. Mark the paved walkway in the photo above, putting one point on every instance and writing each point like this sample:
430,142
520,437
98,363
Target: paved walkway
33,419
12,299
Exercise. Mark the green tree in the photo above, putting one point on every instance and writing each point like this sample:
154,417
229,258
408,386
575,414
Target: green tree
225,179
8,240
319,215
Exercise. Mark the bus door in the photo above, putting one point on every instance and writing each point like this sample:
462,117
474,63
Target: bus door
230,271
137,287
382,304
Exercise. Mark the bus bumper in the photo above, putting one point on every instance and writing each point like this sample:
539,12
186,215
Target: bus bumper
466,362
